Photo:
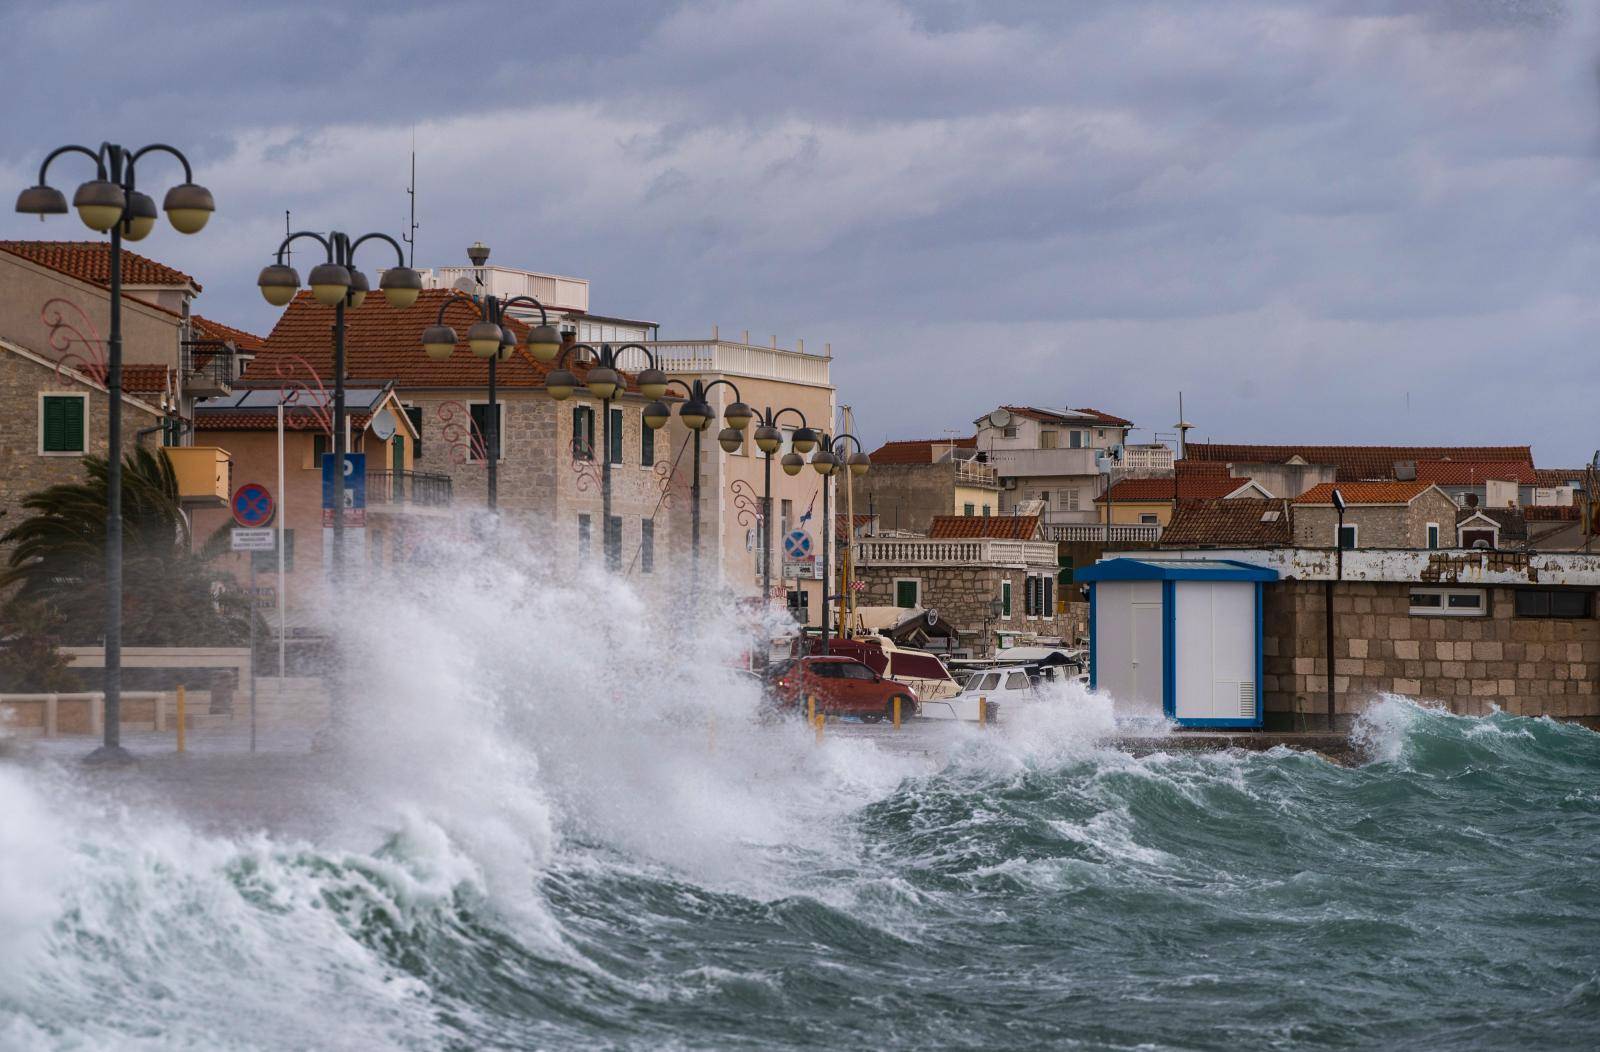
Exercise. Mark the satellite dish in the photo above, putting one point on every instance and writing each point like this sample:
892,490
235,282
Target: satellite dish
383,425
1000,418
465,284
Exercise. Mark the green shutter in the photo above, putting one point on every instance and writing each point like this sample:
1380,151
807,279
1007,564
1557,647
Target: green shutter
647,444
614,438
905,594
63,424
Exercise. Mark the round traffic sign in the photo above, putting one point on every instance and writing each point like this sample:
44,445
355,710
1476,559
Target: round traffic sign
252,505
797,544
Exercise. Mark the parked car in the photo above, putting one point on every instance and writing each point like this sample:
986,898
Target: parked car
841,685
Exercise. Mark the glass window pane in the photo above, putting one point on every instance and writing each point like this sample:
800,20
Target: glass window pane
1425,599
1569,604
1532,603
1465,600
1017,681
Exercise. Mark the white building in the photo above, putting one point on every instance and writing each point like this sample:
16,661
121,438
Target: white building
1055,456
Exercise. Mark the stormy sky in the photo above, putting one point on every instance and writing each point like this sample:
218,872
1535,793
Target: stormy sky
1335,221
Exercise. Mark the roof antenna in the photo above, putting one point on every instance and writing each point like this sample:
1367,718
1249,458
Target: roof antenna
288,251
411,192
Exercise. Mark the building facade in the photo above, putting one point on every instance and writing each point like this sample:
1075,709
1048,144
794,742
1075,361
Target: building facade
1377,515
1056,457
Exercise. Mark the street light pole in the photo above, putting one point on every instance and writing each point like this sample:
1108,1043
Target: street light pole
490,338
604,381
827,461
337,284
769,440
697,414
110,203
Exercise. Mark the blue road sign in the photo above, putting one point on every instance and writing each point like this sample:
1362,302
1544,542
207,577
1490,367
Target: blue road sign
355,481
252,505
797,544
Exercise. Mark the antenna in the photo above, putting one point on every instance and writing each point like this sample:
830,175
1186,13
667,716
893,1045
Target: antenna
288,252
411,192
1183,427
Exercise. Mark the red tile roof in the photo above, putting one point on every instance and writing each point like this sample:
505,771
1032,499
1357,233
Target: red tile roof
1558,476
1365,492
383,343
1237,523
1354,463
842,525
1552,512
91,261
1106,418
294,419
1160,488
1475,472
918,450
1004,527
1055,416
147,379
206,329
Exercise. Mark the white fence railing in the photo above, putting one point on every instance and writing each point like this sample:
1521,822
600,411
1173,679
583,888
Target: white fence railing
932,551
740,359
1125,532
972,474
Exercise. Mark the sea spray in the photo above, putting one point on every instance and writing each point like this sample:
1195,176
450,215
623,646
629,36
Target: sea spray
529,836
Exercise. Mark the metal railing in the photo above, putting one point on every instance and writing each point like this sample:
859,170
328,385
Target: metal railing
931,551
740,359
419,488
971,473
1099,532
208,365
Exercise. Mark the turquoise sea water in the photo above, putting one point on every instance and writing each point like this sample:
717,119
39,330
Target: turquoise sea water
1026,892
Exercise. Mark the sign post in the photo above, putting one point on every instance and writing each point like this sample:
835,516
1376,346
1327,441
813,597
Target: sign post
352,497
253,509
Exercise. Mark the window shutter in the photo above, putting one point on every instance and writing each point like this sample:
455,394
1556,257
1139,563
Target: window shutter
54,424
647,545
615,436
1048,584
647,444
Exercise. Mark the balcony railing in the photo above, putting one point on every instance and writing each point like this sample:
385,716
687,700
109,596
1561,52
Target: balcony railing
417,488
931,551
209,367
1123,532
971,473
741,359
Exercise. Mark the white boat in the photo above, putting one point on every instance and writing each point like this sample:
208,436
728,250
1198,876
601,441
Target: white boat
1002,689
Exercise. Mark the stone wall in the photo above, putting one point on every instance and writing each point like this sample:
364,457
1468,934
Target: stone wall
1380,525
1532,667
962,595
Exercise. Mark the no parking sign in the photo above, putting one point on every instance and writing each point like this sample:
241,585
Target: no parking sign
252,505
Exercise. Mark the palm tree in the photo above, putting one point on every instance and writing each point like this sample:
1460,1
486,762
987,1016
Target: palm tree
170,593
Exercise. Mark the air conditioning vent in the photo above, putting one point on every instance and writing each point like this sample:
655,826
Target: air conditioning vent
1247,699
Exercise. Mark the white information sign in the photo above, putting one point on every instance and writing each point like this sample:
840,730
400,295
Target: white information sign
263,539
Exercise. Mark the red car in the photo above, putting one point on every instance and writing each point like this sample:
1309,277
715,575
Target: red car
841,685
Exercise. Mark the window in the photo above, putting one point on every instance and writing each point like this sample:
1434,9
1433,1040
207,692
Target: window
1553,603
1433,536
614,542
1348,535
1075,439
800,605
1028,607
856,671
647,444
1479,538
1005,599
1048,584
582,432
986,511
1449,602
583,535
1148,520
1067,500
1047,440
907,593
414,414
785,519
480,431
61,423
1016,681
320,447
987,681
614,436
647,545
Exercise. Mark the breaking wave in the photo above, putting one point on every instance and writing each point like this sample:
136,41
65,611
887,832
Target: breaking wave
543,828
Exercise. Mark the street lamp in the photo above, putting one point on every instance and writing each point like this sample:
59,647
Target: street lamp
111,203
769,439
490,338
697,414
604,381
337,284
1327,594
828,462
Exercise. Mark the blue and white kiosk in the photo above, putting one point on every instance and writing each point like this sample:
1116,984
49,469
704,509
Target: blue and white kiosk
1184,632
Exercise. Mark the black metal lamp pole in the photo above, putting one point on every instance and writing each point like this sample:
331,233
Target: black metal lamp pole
827,462
604,381
110,203
769,440
490,338
697,415
337,284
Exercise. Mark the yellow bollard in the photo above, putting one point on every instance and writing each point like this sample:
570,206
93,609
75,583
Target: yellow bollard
183,718
821,721
811,708
983,711
897,712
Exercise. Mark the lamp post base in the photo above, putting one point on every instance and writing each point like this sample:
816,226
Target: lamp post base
109,756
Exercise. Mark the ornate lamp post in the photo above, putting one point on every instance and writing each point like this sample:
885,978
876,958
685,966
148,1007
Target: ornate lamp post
697,415
769,439
337,284
490,338
827,461
603,382
111,203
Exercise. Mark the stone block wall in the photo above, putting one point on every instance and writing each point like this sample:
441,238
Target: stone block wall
1532,667
962,595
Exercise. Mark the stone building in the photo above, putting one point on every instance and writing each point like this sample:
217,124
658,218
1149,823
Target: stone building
1377,515
995,579
913,481
1291,470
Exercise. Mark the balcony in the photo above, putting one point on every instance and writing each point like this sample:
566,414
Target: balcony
741,360
929,551
205,474
1124,533
407,489
972,473
1043,463
209,368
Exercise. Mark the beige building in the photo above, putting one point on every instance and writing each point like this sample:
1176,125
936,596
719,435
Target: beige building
1377,515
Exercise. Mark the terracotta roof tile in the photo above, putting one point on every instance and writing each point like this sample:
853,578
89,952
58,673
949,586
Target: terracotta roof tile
383,343
294,419
147,379
1241,522
918,450
1552,512
1474,472
1004,527
206,329
1353,463
1105,418
1558,476
1365,492
1161,487
1056,416
91,261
